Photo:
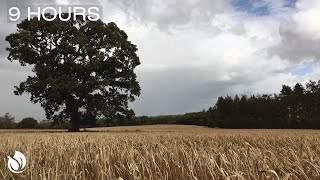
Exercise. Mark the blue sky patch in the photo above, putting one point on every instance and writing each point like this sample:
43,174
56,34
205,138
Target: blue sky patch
259,7
301,69
290,3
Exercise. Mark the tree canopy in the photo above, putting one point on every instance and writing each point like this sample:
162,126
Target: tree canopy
27,123
82,69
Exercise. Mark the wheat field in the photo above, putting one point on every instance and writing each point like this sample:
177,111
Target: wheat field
163,152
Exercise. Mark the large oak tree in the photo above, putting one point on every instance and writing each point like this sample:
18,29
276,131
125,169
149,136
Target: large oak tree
82,69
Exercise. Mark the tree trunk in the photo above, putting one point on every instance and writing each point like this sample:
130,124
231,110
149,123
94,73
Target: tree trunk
74,123
73,111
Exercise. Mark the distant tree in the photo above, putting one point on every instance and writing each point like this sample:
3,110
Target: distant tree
28,123
7,122
211,117
313,103
299,105
82,68
286,96
45,124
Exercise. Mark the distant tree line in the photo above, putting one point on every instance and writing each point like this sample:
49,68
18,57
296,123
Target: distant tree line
8,122
197,118
294,107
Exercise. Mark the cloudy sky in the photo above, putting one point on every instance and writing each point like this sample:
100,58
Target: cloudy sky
193,51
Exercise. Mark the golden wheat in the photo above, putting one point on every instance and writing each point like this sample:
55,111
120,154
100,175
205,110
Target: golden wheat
164,152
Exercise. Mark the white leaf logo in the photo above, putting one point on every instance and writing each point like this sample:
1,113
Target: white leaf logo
18,163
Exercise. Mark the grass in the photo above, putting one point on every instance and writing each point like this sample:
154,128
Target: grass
164,152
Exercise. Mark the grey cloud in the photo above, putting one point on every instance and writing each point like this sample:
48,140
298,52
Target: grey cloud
10,67
19,107
78,2
5,30
295,46
186,89
300,38
173,13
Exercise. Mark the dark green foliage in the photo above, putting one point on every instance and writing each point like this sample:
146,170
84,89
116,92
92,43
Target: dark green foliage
28,123
296,107
45,124
83,69
197,118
